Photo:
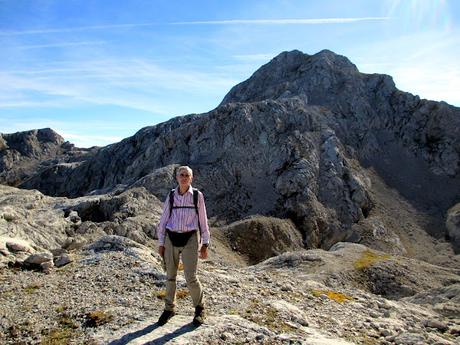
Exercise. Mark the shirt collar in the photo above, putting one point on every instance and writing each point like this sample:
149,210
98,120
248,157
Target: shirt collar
190,190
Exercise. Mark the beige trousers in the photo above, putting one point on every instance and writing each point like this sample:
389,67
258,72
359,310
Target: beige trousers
190,261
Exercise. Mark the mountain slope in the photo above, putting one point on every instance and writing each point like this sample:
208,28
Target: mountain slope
296,140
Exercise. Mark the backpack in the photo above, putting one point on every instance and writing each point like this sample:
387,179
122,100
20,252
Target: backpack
195,204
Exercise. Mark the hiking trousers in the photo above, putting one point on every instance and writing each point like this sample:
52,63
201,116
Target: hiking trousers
189,254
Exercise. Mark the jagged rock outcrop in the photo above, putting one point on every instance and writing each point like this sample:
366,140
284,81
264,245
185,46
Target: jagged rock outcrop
23,154
293,141
31,222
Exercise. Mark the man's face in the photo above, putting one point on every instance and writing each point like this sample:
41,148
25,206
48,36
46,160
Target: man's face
184,178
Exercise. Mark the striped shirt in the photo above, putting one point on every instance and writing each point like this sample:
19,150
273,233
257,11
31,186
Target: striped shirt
184,219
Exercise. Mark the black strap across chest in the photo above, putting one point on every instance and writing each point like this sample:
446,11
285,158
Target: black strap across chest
195,204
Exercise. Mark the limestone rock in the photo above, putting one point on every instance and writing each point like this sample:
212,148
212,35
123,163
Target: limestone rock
410,339
453,226
441,326
39,258
14,250
15,245
62,260
120,243
293,141
260,238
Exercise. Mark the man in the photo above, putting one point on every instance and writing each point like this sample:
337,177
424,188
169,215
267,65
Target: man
178,236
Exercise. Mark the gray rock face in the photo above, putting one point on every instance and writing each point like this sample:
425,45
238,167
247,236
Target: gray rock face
22,154
246,163
368,102
291,142
260,238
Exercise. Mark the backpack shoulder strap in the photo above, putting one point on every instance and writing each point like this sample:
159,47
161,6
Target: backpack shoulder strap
195,203
195,199
171,201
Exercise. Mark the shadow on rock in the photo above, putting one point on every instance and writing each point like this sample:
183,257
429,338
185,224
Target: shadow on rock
127,338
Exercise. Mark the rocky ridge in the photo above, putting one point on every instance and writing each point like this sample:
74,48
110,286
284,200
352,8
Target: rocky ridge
307,153
304,130
24,154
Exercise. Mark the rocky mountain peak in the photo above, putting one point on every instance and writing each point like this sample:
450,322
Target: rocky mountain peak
294,73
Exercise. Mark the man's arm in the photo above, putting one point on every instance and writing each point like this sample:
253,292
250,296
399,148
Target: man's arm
203,218
161,230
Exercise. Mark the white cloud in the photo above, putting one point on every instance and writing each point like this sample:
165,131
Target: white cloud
71,130
428,69
89,140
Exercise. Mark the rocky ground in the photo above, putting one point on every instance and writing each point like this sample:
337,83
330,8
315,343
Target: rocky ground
111,293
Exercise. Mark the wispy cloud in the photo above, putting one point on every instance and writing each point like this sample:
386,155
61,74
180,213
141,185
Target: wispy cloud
60,45
133,83
301,21
311,21
73,29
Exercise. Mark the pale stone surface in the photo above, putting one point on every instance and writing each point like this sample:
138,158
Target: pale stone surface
271,303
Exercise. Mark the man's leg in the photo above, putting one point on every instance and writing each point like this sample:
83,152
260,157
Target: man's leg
190,261
172,263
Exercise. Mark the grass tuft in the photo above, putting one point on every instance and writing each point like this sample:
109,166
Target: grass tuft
97,317
58,337
32,288
266,316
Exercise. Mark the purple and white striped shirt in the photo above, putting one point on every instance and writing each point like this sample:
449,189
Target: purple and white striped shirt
184,219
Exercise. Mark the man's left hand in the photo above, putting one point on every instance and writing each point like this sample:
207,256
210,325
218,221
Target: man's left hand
203,252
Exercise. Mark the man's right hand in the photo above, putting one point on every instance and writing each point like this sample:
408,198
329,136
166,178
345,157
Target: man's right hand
161,251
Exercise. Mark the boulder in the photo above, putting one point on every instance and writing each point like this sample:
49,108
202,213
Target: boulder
259,238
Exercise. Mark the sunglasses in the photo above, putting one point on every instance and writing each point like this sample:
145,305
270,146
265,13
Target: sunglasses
184,175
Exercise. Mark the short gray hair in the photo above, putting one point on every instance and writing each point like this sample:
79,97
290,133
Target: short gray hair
184,167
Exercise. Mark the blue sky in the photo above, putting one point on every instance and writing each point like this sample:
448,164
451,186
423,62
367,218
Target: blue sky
98,71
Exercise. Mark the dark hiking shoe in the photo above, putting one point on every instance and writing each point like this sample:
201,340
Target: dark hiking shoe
167,314
199,316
